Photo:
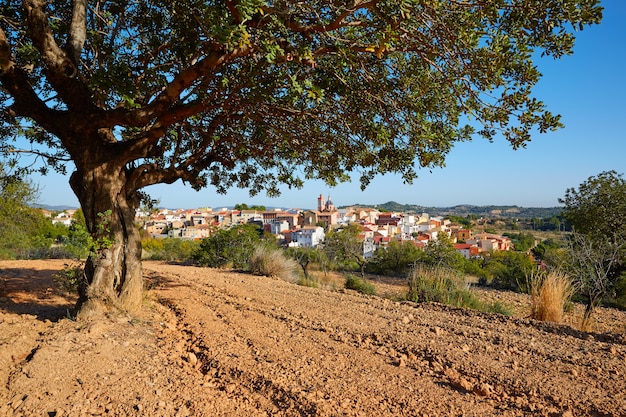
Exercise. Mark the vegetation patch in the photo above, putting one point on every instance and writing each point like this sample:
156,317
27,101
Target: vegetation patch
443,285
360,284
272,262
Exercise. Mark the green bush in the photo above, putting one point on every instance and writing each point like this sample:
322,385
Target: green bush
70,278
443,285
498,307
170,249
508,270
225,247
394,260
308,282
361,285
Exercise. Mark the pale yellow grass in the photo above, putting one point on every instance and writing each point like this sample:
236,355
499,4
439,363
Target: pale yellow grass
548,294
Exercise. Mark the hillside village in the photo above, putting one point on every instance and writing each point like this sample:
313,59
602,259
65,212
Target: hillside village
307,228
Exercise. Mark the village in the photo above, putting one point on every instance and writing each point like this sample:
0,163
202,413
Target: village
307,228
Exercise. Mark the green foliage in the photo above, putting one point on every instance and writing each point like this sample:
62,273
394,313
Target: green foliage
619,298
78,243
311,282
443,285
24,230
232,247
344,247
522,242
360,284
244,84
498,307
70,278
596,208
508,269
170,249
441,253
396,259
244,206
464,221
597,247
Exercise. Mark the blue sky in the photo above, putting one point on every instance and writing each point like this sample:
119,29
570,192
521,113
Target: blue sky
587,88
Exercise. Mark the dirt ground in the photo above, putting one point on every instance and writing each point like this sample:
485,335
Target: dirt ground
216,343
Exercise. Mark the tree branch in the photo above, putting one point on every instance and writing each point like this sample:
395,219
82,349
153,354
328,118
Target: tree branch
26,101
62,72
78,30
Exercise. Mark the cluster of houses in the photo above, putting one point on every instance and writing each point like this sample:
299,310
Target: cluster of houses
307,228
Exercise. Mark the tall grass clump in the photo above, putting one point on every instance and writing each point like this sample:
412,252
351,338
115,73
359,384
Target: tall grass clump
272,262
549,294
441,285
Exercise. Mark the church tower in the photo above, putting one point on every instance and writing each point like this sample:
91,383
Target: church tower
320,203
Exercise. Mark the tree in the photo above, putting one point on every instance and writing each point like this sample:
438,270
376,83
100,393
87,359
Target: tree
238,93
395,259
229,246
346,245
597,208
441,253
21,225
592,266
304,256
244,206
597,245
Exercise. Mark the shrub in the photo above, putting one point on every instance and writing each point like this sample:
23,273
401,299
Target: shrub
308,282
396,259
507,269
441,285
361,285
549,294
228,246
499,308
447,286
70,278
272,262
169,249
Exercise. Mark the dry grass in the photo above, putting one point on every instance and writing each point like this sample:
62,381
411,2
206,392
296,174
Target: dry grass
548,295
273,263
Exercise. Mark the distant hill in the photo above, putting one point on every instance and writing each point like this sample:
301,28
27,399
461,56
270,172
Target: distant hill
54,208
466,209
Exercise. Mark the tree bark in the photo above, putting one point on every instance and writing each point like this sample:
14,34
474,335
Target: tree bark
113,275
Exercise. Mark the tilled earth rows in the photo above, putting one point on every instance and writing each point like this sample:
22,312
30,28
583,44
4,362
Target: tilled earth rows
230,344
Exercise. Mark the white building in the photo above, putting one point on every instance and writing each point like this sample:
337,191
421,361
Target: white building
308,237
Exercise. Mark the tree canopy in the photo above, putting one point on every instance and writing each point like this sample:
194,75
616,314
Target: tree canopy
597,208
227,92
597,247
256,93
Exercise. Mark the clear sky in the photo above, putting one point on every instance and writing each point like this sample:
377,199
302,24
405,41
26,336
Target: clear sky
587,88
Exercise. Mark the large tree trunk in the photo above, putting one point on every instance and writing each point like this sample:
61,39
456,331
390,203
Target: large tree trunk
113,271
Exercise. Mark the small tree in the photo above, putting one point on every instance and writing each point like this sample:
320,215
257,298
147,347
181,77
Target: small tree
346,244
304,257
233,246
396,259
592,265
441,253
597,246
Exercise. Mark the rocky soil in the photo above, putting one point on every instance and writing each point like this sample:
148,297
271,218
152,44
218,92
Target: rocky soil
216,343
